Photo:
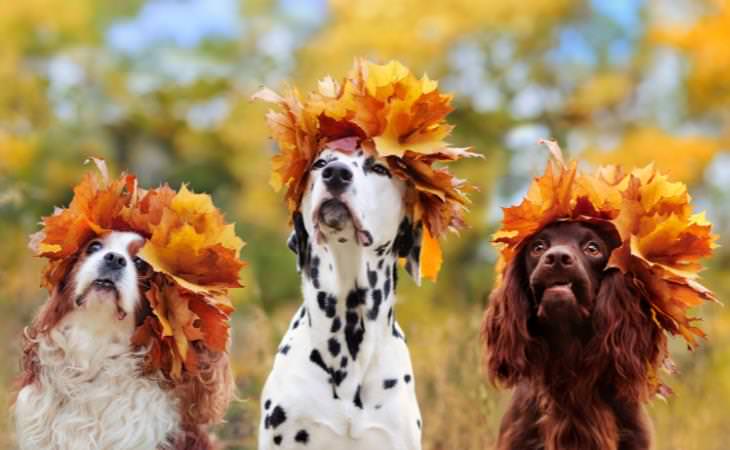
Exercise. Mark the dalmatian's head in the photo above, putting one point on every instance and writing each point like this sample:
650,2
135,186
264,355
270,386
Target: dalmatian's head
352,198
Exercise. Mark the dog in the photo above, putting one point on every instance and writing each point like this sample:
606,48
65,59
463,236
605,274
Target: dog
573,340
83,387
342,377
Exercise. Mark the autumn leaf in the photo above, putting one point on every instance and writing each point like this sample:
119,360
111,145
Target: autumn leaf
388,112
193,252
662,242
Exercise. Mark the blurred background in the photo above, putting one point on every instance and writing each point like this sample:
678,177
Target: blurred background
161,88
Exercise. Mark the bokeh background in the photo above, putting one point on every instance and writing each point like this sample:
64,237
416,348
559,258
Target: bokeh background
161,88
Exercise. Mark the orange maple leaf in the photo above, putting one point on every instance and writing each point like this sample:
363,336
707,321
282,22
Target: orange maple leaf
194,254
662,240
391,114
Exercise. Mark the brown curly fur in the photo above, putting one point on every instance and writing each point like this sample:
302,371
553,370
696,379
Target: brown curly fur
585,392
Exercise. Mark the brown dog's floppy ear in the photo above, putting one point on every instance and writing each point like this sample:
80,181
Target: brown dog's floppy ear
627,341
506,340
407,244
299,241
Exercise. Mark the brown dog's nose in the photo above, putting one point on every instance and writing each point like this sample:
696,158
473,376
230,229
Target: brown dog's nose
558,257
337,177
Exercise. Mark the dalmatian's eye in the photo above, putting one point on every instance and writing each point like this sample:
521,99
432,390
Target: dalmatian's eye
318,164
380,170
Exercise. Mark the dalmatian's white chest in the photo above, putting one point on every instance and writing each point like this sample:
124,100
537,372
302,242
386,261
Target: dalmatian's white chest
342,378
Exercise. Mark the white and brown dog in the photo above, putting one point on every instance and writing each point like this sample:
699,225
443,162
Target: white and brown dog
342,378
82,387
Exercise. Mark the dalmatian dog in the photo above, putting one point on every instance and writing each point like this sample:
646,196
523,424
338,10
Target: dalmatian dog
342,377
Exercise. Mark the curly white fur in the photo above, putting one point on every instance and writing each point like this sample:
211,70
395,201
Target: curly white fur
92,401
89,393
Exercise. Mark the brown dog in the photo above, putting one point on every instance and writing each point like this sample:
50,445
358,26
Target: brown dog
574,341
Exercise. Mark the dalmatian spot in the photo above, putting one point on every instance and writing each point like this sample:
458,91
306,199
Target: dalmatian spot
316,358
358,400
343,363
302,437
277,439
407,378
314,271
334,347
267,404
327,303
377,300
356,297
418,422
354,333
295,325
389,383
386,288
301,314
390,314
372,278
336,325
278,416
381,249
285,349
338,376
395,276
397,333
380,264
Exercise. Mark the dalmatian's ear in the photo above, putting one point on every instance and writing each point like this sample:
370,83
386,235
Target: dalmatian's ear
299,241
407,245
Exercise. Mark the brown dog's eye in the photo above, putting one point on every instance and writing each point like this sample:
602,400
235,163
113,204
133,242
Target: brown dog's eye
538,248
593,249
318,164
94,247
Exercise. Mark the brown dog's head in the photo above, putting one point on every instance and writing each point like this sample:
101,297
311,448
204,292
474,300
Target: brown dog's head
564,264
559,286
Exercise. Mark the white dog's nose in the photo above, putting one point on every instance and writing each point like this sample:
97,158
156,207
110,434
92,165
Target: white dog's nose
114,261
337,177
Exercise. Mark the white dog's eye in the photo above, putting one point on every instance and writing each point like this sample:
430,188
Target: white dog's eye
380,170
141,265
93,247
318,164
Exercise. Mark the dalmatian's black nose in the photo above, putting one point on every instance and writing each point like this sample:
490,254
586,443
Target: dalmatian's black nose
337,177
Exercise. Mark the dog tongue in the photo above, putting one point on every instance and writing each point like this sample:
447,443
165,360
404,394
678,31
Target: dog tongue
559,291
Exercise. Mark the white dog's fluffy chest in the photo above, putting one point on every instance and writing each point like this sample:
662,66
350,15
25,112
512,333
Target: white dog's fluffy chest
374,407
89,395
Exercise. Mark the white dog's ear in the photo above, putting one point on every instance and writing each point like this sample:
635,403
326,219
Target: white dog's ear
407,245
299,241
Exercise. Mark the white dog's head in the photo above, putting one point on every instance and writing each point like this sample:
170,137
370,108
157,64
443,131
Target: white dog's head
107,275
353,198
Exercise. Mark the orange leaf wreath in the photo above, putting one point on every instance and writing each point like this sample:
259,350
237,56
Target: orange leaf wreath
194,254
662,240
389,112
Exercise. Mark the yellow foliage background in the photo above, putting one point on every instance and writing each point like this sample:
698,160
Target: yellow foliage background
161,88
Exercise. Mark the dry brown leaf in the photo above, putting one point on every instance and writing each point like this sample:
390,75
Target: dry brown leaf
193,251
392,114
662,241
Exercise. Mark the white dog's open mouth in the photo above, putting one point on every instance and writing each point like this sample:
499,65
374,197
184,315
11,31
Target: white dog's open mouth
105,286
336,215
